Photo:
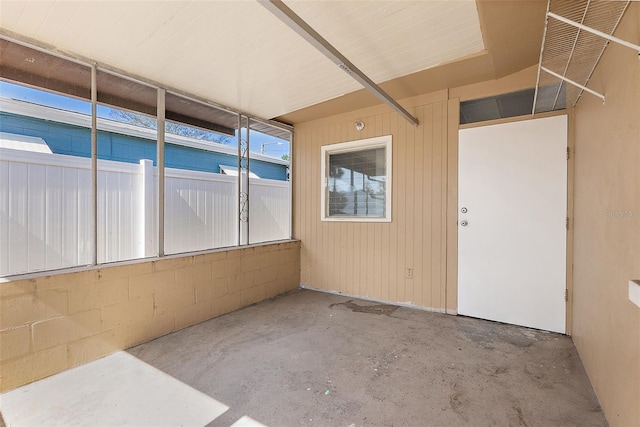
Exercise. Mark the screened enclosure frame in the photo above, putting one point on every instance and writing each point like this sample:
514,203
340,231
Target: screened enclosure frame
84,67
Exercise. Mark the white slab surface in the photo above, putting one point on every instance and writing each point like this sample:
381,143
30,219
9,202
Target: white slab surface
117,390
247,421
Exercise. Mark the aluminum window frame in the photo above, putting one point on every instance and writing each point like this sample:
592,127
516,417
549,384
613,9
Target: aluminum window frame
385,142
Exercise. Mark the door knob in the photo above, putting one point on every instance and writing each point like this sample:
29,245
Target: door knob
464,223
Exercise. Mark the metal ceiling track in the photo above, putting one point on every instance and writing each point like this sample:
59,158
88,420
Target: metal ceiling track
297,24
575,37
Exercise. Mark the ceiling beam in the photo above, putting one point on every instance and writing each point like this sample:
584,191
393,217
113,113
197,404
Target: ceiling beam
297,24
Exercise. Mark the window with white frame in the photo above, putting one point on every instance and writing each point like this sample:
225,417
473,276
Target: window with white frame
356,180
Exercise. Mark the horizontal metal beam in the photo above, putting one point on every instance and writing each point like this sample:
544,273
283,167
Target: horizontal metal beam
561,77
593,31
297,24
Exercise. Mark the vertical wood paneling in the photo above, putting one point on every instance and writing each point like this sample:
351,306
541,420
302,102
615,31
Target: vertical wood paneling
350,257
344,132
427,206
437,198
410,220
314,194
444,173
370,259
418,279
453,119
308,212
396,210
307,196
376,129
300,175
387,257
364,253
401,217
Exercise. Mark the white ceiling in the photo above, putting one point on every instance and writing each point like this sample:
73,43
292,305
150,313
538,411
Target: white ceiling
237,54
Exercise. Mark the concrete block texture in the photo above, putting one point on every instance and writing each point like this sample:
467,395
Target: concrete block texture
151,283
34,366
132,311
61,330
253,295
15,342
193,274
96,346
83,296
27,308
54,322
168,302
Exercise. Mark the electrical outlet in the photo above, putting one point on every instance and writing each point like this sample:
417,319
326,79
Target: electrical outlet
409,273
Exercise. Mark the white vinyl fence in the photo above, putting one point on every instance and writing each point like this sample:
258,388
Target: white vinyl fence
124,203
269,210
201,210
45,211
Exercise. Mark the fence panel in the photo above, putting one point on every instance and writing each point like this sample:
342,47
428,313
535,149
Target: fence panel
120,204
200,211
269,210
45,211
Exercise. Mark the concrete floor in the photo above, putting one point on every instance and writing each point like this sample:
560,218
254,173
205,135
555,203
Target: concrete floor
315,359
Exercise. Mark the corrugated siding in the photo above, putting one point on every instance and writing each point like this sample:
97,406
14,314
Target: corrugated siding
371,259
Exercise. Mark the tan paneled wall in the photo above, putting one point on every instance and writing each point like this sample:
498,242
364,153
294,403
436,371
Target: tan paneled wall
370,259
607,228
52,323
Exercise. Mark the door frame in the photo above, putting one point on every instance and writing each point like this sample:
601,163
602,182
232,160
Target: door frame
454,126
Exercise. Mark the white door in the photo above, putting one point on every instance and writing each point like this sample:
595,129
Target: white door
512,223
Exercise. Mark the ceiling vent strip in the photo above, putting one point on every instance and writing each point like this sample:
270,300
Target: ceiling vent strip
576,35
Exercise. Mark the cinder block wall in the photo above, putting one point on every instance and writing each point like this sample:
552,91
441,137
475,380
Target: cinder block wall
50,323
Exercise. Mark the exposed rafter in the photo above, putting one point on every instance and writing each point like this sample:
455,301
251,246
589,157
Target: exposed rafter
297,24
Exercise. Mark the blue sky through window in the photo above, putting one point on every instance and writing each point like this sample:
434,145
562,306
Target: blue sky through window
273,147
